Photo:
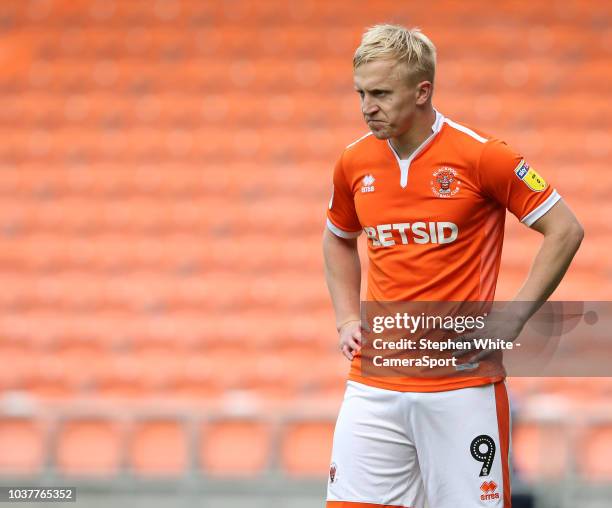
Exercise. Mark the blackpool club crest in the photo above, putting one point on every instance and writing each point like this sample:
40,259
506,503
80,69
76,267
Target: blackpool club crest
332,472
444,182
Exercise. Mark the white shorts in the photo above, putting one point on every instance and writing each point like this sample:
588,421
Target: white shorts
405,449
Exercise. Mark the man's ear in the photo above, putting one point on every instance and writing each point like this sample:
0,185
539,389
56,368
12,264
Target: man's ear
424,89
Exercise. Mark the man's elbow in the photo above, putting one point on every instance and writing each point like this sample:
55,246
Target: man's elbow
574,234
577,232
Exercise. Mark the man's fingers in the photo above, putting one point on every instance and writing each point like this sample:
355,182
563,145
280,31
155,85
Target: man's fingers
347,352
350,339
349,347
461,349
354,345
481,355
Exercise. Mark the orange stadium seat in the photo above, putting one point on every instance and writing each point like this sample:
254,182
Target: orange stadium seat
89,447
306,447
226,361
49,386
158,447
330,378
268,390
42,108
20,359
278,293
270,372
541,450
114,12
114,387
522,387
595,448
81,362
193,387
235,447
156,365
23,444
591,73
583,285
579,388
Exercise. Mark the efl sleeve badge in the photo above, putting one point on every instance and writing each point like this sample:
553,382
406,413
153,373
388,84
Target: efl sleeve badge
530,177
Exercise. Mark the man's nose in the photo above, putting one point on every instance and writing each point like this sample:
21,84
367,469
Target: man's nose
368,106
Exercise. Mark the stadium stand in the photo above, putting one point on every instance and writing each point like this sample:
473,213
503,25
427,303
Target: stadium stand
164,172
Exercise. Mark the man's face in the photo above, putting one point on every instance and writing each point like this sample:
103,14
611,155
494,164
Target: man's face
388,101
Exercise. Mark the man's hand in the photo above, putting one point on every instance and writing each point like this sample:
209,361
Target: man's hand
350,338
503,325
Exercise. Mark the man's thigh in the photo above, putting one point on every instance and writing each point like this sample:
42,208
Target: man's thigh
462,439
374,461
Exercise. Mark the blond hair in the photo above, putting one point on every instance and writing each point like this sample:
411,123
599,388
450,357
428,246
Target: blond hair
395,42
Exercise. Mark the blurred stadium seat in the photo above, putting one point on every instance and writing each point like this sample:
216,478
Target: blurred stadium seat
596,446
235,447
540,450
89,447
23,442
158,447
306,447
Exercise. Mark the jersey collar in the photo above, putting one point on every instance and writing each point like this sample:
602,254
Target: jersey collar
435,129
404,164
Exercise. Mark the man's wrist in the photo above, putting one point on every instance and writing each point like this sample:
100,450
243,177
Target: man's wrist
342,324
521,310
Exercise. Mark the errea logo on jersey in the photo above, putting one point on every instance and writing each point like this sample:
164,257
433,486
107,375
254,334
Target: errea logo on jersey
367,184
387,235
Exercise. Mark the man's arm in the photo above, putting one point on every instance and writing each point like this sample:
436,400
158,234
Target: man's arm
562,237
343,276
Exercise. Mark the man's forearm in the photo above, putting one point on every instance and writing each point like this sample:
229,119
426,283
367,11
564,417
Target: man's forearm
343,276
547,270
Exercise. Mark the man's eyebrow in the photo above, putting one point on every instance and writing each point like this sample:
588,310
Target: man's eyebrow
373,90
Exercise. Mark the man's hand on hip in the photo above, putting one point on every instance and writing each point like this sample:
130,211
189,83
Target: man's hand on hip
350,338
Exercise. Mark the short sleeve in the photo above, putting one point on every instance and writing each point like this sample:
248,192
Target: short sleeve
506,177
342,217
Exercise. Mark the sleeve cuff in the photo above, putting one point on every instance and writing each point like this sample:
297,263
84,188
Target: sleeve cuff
340,232
541,210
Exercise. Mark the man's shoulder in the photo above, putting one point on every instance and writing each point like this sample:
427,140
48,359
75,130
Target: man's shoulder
466,133
360,142
467,142
363,148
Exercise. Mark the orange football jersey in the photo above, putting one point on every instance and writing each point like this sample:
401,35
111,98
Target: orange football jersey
434,222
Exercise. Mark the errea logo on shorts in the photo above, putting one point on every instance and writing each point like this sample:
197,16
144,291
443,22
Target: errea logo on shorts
367,184
488,491
387,235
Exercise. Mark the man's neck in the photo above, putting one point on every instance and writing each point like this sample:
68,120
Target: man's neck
410,140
